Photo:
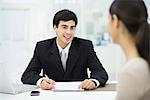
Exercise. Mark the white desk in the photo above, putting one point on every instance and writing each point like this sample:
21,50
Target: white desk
92,95
98,94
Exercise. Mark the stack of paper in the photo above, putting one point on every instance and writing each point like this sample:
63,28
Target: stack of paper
67,86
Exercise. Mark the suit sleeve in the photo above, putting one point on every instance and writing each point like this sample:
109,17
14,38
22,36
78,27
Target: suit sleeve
31,74
95,66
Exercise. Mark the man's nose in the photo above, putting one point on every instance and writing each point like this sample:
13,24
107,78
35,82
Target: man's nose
68,31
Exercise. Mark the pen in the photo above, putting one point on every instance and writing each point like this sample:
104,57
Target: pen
52,82
46,76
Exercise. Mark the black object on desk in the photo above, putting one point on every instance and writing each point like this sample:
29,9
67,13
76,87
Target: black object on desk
35,93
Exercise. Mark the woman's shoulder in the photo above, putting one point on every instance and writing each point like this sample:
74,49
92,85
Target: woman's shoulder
137,68
137,64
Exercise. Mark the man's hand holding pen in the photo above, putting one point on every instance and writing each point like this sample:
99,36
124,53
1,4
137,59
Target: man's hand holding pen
47,84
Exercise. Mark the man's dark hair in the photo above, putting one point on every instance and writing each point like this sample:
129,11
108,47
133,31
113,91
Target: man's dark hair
64,15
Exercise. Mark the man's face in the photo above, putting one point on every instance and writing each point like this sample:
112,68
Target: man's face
65,32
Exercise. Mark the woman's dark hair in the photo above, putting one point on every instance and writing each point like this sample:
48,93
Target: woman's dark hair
64,15
133,13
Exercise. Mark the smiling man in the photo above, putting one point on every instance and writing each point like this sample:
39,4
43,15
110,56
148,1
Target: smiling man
65,58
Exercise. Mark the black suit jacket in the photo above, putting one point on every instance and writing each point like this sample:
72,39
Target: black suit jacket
81,56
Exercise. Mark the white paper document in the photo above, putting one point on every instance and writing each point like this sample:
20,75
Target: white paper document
67,86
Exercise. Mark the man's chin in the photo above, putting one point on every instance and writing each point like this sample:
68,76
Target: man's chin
68,40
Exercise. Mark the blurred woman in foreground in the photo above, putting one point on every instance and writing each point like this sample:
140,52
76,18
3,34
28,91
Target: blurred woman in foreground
129,28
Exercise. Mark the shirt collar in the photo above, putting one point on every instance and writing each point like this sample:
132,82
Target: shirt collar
65,49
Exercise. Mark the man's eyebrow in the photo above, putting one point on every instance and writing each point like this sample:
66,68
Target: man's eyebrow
70,26
73,26
64,25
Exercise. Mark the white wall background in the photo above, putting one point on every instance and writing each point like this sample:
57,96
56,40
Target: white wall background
24,22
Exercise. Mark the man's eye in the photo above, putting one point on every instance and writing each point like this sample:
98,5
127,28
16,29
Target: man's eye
64,27
73,28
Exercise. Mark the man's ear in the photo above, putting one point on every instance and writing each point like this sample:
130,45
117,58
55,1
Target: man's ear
54,27
115,21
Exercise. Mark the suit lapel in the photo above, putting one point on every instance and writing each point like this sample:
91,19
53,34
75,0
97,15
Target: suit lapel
72,57
55,54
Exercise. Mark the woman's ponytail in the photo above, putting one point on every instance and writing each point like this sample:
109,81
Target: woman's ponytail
143,41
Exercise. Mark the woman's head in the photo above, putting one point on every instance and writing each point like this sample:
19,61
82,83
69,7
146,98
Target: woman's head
133,15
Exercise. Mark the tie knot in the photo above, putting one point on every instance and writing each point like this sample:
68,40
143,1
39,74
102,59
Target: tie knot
63,53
